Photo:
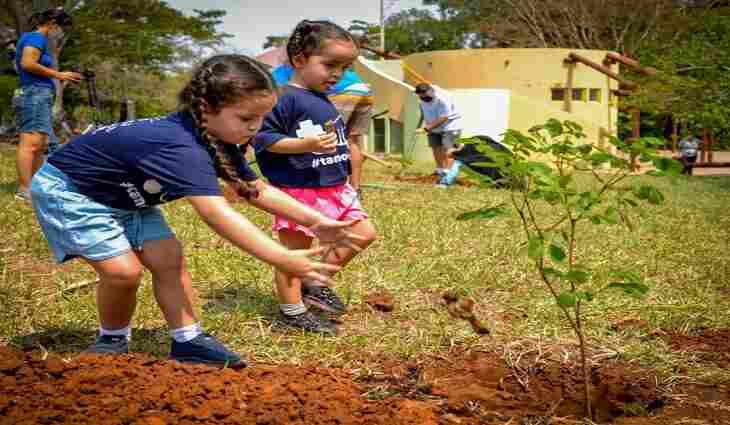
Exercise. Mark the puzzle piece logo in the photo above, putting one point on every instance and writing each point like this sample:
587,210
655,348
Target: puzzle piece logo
308,128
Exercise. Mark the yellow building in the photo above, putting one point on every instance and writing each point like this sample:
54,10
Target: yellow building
495,90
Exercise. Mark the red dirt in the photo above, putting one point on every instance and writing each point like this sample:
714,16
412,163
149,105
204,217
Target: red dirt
469,389
381,301
711,345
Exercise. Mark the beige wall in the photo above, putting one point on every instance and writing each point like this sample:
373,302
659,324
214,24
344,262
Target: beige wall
529,74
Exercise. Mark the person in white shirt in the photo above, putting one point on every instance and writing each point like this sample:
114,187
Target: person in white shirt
442,123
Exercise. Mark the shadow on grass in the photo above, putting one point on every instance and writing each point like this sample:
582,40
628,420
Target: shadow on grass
8,187
75,340
239,297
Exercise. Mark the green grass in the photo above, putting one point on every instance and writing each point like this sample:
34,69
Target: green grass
680,248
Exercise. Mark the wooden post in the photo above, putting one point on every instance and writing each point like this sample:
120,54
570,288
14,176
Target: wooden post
675,134
612,58
567,101
623,83
711,139
705,144
635,131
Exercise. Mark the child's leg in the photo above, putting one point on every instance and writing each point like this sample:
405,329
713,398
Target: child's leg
288,288
342,255
174,293
171,281
116,293
293,311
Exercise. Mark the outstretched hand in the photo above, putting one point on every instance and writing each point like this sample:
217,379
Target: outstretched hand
333,232
299,264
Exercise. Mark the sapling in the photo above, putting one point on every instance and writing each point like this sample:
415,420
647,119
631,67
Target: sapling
583,184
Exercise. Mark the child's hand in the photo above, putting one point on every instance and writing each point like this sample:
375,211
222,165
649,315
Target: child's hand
330,231
298,263
324,143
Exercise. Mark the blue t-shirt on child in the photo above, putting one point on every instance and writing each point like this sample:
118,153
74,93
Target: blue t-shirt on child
40,42
300,113
138,164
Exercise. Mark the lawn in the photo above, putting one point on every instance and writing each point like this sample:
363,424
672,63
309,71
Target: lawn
680,248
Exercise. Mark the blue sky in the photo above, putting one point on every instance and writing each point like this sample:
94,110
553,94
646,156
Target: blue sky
250,21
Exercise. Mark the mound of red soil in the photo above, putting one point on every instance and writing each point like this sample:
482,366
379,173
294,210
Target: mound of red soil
712,345
469,389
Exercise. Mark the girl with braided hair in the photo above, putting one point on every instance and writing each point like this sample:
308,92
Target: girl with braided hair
303,150
96,198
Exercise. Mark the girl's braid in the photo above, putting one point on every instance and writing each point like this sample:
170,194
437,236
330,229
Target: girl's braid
228,158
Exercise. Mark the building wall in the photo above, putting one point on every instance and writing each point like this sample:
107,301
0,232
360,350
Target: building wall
531,75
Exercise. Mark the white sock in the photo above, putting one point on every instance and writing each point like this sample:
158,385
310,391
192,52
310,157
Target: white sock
186,333
292,309
125,332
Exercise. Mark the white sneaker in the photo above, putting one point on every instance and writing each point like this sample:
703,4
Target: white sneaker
22,195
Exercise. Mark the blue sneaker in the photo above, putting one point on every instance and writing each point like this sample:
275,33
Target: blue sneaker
109,344
207,350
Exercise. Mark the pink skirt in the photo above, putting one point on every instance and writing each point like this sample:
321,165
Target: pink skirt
337,202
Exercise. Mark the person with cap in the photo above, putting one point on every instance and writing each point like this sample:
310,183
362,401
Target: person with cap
442,123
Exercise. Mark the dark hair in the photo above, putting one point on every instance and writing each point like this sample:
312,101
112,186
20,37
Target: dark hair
57,15
309,36
422,88
219,81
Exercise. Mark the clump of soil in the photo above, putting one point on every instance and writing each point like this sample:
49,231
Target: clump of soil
461,307
381,301
711,345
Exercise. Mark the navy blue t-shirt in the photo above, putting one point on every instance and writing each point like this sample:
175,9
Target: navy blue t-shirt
298,113
138,164
40,42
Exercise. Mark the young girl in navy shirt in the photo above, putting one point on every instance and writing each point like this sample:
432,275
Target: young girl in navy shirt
302,150
97,198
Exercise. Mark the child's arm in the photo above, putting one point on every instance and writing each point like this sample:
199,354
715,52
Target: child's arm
324,143
274,201
224,220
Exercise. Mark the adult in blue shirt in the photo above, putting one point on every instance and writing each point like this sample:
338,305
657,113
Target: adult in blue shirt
35,65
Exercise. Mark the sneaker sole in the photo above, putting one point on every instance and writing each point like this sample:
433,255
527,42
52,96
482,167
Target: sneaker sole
194,360
315,303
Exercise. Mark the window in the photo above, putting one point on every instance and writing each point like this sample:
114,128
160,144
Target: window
594,95
579,94
558,94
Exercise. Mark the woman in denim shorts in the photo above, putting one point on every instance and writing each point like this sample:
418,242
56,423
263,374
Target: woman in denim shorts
35,65
97,199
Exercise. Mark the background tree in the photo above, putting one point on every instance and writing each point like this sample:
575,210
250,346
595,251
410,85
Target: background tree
275,41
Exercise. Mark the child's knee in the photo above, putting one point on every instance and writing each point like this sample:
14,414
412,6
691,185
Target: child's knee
127,277
367,231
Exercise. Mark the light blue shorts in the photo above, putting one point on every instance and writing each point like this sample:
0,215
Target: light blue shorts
77,226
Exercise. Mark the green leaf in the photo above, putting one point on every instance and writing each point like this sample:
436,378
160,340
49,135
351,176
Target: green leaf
567,299
557,253
554,127
483,213
650,194
635,289
668,165
585,149
536,248
577,276
549,271
598,158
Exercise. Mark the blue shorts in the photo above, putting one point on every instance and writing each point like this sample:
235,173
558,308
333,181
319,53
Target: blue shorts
77,226
34,109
